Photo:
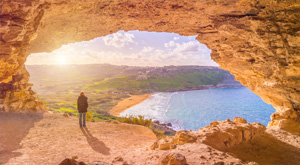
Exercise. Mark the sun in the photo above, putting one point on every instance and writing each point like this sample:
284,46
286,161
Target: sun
62,60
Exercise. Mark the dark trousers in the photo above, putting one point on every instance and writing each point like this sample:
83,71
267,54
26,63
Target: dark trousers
82,118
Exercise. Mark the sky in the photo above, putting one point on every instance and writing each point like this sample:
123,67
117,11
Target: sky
133,48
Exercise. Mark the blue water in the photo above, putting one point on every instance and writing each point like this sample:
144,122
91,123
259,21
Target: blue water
191,110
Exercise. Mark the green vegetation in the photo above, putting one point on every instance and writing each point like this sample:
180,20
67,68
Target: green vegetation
156,83
89,116
140,120
158,133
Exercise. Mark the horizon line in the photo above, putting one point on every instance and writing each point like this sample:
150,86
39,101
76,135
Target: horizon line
113,65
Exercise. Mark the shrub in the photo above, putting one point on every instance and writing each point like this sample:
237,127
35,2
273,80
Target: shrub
158,133
135,120
89,116
140,120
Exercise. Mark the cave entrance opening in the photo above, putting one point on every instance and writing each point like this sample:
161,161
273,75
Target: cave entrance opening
111,68
236,31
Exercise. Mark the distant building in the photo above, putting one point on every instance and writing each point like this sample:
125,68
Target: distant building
142,77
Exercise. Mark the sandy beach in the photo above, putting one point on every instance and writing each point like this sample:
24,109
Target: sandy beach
128,103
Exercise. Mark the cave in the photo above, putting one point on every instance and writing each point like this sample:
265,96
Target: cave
257,41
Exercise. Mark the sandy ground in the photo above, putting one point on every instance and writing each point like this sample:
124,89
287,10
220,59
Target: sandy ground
128,103
13,128
49,140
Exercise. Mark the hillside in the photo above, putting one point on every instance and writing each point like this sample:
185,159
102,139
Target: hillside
165,79
103,77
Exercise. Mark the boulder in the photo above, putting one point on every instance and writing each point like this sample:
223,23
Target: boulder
165,158
125,163
118,159
173,146
66,115
154,145
69,161
164,146
214,123
74,157
227,134
156,121
219,163
239,120
177,159
183,137
163,143
172,159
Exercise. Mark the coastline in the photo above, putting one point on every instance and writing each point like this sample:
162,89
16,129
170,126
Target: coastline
137,99
128,103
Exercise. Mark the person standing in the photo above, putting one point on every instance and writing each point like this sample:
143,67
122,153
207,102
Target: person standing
82,106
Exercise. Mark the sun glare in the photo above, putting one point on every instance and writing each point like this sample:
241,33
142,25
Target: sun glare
62,60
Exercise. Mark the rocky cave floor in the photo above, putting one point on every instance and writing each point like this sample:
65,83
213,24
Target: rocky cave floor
50,138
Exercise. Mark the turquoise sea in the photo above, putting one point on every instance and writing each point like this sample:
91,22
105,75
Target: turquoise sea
191,110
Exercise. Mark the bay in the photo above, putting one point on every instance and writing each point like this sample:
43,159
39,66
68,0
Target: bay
191,110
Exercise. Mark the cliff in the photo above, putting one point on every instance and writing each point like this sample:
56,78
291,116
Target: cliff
257,41
229,81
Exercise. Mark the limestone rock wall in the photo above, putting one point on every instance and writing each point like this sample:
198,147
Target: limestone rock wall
257,41
19,22
261,48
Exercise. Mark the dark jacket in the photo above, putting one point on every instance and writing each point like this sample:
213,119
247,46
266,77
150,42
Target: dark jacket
82,104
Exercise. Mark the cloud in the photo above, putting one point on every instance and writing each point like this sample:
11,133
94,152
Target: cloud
159,57
192,37
142,53
119,39
147,49
170,44
189,47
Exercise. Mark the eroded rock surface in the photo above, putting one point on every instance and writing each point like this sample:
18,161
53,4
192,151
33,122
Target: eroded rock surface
69,161
172,159
219,134
227,134
257,41
252,143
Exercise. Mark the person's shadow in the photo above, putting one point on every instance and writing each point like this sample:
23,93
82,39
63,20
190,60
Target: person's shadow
95,143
